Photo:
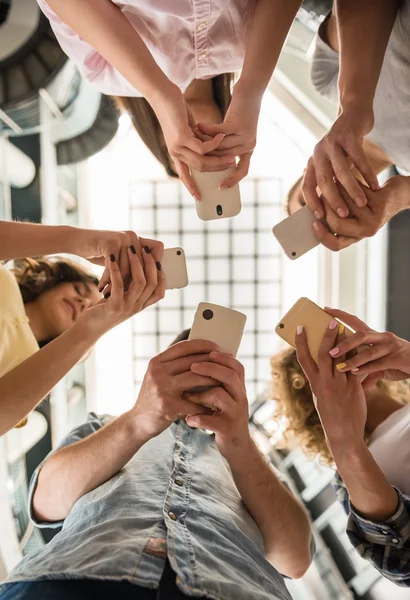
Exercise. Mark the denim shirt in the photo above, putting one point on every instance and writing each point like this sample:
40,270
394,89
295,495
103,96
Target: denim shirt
175,497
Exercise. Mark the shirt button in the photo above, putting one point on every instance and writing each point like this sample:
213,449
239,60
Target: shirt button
172,516
179,482
201,26
202,56
395,541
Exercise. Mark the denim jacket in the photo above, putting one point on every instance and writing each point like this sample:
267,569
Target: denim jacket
175,497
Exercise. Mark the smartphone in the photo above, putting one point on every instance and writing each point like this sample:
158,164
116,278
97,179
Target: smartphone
216,203
218,324
174,268
295,233
315,321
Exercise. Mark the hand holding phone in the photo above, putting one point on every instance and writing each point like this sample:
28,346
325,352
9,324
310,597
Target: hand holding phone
216,203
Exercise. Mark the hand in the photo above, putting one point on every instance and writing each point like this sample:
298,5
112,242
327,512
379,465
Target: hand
155,248
239,128
147,286
364,222
186,149
169,375
339,397
332,159
388,356
229,404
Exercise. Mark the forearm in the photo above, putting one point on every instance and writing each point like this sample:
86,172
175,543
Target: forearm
364,29
81,467
102,24
18,239
270,25
22,388
280,517
369,491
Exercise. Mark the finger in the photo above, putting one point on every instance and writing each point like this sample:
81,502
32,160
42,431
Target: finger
328,342
199,147
329,240
350,320
354,341
303,354
224,128
204,137
190,381
187,348
159,291
138,278
124,265
362,163
183,365
117,282
181,406
156,247
365,358
309,185
345,176
227,360
371,380
208,422
381,364
206,163
105,278
185,176
241,171
228,377
234,151
151,275
328,187
107,291
217,399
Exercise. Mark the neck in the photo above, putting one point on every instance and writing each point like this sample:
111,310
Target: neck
379,407
36,322
200,99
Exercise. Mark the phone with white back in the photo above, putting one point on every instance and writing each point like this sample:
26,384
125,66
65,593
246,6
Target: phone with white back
315,321
216,203
174,267
220,325
295,233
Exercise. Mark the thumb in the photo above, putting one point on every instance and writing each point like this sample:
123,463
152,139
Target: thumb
212,129
372,379
201,422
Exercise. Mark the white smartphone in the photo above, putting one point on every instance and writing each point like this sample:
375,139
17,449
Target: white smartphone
216,203
218,324
174,268
295,233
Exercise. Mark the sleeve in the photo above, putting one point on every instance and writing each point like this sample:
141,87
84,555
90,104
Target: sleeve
385,545
92,65
94,423
324,70
9,293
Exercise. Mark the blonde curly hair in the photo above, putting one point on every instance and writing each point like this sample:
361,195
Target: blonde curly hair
302,427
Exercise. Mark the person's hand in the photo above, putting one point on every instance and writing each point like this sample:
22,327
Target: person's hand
185,148
147,286
364,222
169,376
239,128
339,397
229,404
339,150
388,356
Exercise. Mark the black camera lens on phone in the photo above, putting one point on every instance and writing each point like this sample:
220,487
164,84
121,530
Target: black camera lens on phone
179,252
293,253
219,210
208,314
281,326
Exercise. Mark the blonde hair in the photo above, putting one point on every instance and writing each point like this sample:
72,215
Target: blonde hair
302,427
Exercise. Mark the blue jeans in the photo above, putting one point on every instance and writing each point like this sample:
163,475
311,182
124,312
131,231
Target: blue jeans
89,589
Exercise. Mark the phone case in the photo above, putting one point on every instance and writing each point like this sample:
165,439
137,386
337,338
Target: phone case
216,203
315,321
218,324
174,268
295,233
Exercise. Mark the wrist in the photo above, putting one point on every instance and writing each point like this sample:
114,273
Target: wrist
163,98
237,450
246,87
350,454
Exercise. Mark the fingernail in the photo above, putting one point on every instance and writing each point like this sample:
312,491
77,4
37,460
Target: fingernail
333,324
132,248
341,212
195,197
147,250
341,329
214,354
315,225
318,214
112,258
359,201
340,366
223,187
100,289
194,366
159,267
107,295
334,352
299,329
355,370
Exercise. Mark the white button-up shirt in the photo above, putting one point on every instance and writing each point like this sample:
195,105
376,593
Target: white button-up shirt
188,39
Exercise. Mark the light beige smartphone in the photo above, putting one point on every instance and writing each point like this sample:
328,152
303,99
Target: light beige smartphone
315,321
295,233
220,325
174,267
216,203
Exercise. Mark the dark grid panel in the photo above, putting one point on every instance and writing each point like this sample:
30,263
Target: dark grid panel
232,262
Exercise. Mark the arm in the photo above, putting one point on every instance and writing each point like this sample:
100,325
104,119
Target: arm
282,520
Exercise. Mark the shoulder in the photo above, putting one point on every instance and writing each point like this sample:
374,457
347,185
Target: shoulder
10,297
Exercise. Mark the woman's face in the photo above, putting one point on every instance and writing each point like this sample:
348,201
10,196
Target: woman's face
61,306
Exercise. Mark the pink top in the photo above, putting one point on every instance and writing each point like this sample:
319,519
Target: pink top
188,39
